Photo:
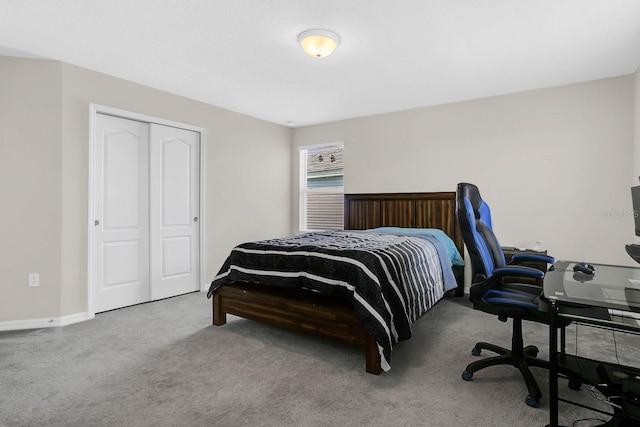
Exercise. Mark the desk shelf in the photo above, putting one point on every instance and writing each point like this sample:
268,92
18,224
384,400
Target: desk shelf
608,379
581,367
595,372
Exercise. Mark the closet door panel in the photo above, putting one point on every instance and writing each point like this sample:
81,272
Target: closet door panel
175,210
120,206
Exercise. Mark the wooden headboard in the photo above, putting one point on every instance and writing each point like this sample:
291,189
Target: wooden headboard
413,210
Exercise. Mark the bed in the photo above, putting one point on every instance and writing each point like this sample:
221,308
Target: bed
336,314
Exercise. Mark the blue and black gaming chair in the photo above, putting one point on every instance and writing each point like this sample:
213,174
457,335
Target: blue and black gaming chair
508,291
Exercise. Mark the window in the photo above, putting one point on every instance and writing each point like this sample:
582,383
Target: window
321,187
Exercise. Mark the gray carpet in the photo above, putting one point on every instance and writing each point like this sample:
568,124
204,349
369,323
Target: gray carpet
164,364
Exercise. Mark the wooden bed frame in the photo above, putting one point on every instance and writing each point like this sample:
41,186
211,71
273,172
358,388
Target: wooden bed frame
310,313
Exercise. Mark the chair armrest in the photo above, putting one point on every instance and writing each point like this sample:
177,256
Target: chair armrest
517,270
517,259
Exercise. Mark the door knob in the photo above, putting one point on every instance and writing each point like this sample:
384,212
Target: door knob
195,219
96,223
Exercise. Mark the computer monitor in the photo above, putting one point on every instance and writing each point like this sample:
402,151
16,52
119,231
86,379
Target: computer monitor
635,200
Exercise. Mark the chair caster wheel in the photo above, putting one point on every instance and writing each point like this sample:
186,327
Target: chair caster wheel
531,401
467,376
575,384
475,351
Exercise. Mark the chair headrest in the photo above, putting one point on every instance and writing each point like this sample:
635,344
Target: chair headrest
470,192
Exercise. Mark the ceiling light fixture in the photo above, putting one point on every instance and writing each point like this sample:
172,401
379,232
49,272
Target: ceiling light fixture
318,43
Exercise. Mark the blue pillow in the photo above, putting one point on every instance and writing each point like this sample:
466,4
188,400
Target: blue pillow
449,245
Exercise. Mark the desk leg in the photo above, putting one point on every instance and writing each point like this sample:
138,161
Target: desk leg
553,366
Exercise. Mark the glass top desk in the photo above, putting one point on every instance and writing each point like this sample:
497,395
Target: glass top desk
609,298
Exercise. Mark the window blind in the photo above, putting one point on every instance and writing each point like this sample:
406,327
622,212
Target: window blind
325,211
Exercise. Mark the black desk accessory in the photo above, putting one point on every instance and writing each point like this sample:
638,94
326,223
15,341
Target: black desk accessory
579,276
634,251
585,268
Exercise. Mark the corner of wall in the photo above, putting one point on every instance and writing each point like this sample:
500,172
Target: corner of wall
30,171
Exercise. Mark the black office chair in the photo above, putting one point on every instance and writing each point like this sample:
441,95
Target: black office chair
508,291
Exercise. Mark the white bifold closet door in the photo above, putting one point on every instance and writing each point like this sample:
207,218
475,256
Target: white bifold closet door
146,200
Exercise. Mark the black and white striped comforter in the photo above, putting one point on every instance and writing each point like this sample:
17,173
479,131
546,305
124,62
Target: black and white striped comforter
391,279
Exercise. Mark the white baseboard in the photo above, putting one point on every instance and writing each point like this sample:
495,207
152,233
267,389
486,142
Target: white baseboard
47,322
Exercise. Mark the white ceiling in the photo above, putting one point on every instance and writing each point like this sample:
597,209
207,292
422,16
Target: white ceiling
242,55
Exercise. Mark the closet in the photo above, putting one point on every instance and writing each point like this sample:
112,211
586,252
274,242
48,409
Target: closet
145,209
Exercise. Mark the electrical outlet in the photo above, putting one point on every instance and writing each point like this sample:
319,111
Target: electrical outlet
34,280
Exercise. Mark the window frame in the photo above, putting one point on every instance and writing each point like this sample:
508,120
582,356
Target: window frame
302,183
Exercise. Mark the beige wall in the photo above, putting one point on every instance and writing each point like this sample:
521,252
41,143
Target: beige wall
247,174
30,170
553,164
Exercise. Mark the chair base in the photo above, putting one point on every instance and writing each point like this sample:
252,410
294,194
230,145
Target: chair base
519,356
507,357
